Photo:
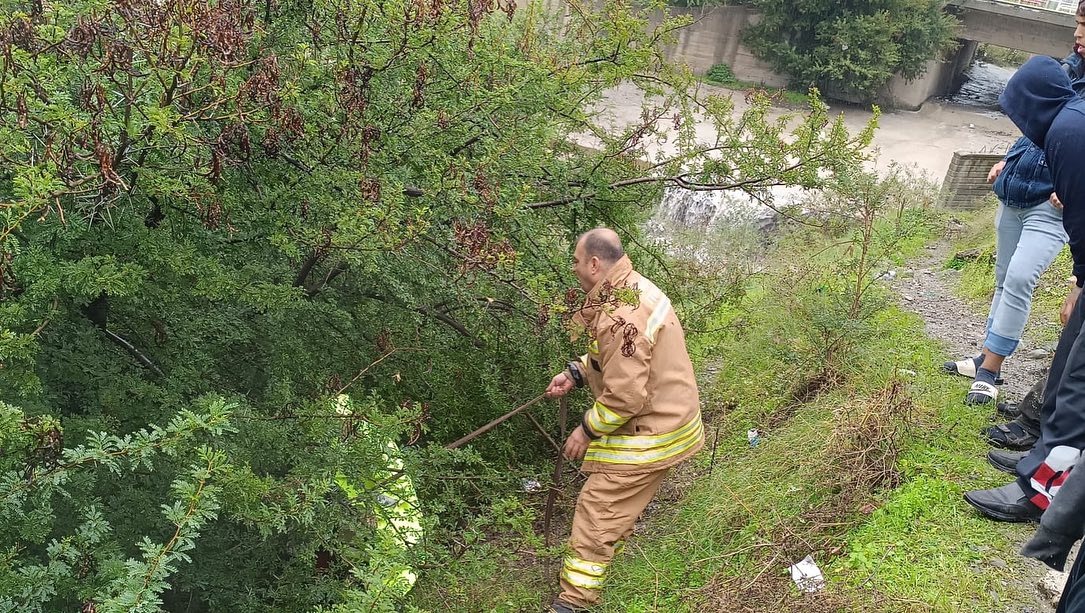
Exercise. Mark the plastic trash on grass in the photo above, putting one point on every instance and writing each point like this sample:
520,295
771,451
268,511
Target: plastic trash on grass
753,435
807,576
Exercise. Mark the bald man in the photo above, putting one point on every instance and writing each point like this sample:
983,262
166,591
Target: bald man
646,416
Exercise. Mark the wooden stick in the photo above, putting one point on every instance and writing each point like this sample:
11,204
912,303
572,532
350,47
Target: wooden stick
543,432
555,483
493,424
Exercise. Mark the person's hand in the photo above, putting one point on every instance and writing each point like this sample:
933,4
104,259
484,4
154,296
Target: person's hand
1055,202
560,385
995,171
1070,302
576,444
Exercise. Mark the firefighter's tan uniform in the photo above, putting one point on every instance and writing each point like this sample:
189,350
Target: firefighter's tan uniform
645,419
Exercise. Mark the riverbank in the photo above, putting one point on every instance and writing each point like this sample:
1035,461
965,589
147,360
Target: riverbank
865,473
922,140
865,451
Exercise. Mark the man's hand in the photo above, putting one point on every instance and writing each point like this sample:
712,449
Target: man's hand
576,444
1070,302
560,385
1055,202
995,171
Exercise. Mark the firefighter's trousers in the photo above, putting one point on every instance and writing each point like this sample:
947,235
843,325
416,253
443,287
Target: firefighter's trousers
607,508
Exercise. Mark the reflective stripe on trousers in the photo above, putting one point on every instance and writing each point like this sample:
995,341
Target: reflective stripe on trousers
607,508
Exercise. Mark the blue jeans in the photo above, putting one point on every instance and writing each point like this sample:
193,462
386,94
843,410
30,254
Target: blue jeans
1027,241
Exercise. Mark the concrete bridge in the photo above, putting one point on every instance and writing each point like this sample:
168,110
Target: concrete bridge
715,37
1038,26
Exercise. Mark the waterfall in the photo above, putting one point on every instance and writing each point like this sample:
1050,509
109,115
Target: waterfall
731,208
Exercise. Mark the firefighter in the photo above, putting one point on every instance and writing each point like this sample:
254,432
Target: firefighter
646,415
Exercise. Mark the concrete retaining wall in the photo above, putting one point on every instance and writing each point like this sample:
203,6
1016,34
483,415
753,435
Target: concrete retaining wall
965,185
715,37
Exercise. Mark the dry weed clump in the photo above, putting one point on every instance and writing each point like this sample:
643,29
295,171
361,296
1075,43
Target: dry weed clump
857,459
806,389
861,451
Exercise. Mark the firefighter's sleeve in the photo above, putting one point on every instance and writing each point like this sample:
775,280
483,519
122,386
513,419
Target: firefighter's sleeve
624,358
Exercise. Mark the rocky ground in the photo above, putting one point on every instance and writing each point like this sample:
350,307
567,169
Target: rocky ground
927,289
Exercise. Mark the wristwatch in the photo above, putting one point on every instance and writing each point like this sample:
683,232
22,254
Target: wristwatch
574,374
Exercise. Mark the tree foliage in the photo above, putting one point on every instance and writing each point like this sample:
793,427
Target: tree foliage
851,48
221,216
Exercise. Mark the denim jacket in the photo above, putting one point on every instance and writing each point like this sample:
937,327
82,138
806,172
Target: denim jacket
1026,180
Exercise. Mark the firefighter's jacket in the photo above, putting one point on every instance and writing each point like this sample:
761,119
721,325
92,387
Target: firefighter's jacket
646,414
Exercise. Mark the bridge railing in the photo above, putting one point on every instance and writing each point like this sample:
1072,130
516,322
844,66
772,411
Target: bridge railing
1058,6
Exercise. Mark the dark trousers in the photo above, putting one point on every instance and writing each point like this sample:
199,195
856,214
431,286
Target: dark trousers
1030,406
1073,595
1062,416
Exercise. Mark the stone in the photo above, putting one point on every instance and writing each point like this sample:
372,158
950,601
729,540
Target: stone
1038,354
998,563
1051,585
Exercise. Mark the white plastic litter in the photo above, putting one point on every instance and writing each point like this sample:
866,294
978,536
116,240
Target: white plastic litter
530,485
754,436
807,576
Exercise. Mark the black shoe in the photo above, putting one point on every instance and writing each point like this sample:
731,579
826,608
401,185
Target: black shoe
1012,435
1006,461
560,606
1006,503
1009,410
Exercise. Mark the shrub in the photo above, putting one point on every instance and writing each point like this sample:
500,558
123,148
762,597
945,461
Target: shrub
721,74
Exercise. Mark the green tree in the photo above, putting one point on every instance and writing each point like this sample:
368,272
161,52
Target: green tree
221,216
851,48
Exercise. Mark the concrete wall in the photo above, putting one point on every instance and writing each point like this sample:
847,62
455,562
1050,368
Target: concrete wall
965,185
941,76
715,37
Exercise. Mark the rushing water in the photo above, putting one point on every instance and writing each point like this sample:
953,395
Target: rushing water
975,103
708,209
983,82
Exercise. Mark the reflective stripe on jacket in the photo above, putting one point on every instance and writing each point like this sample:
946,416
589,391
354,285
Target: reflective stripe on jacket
646,414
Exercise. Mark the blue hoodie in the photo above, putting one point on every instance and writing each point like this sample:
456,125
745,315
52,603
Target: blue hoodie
1025,181
1040,101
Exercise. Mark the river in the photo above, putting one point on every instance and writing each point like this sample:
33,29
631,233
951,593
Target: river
922,142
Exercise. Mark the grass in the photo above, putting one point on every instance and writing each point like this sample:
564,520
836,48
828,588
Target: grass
914,547
861,465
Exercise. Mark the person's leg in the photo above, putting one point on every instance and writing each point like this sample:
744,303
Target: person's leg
1062,417
1040,237
1008,229
1015,501
1024,429
606,510
1007,234
1073,594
